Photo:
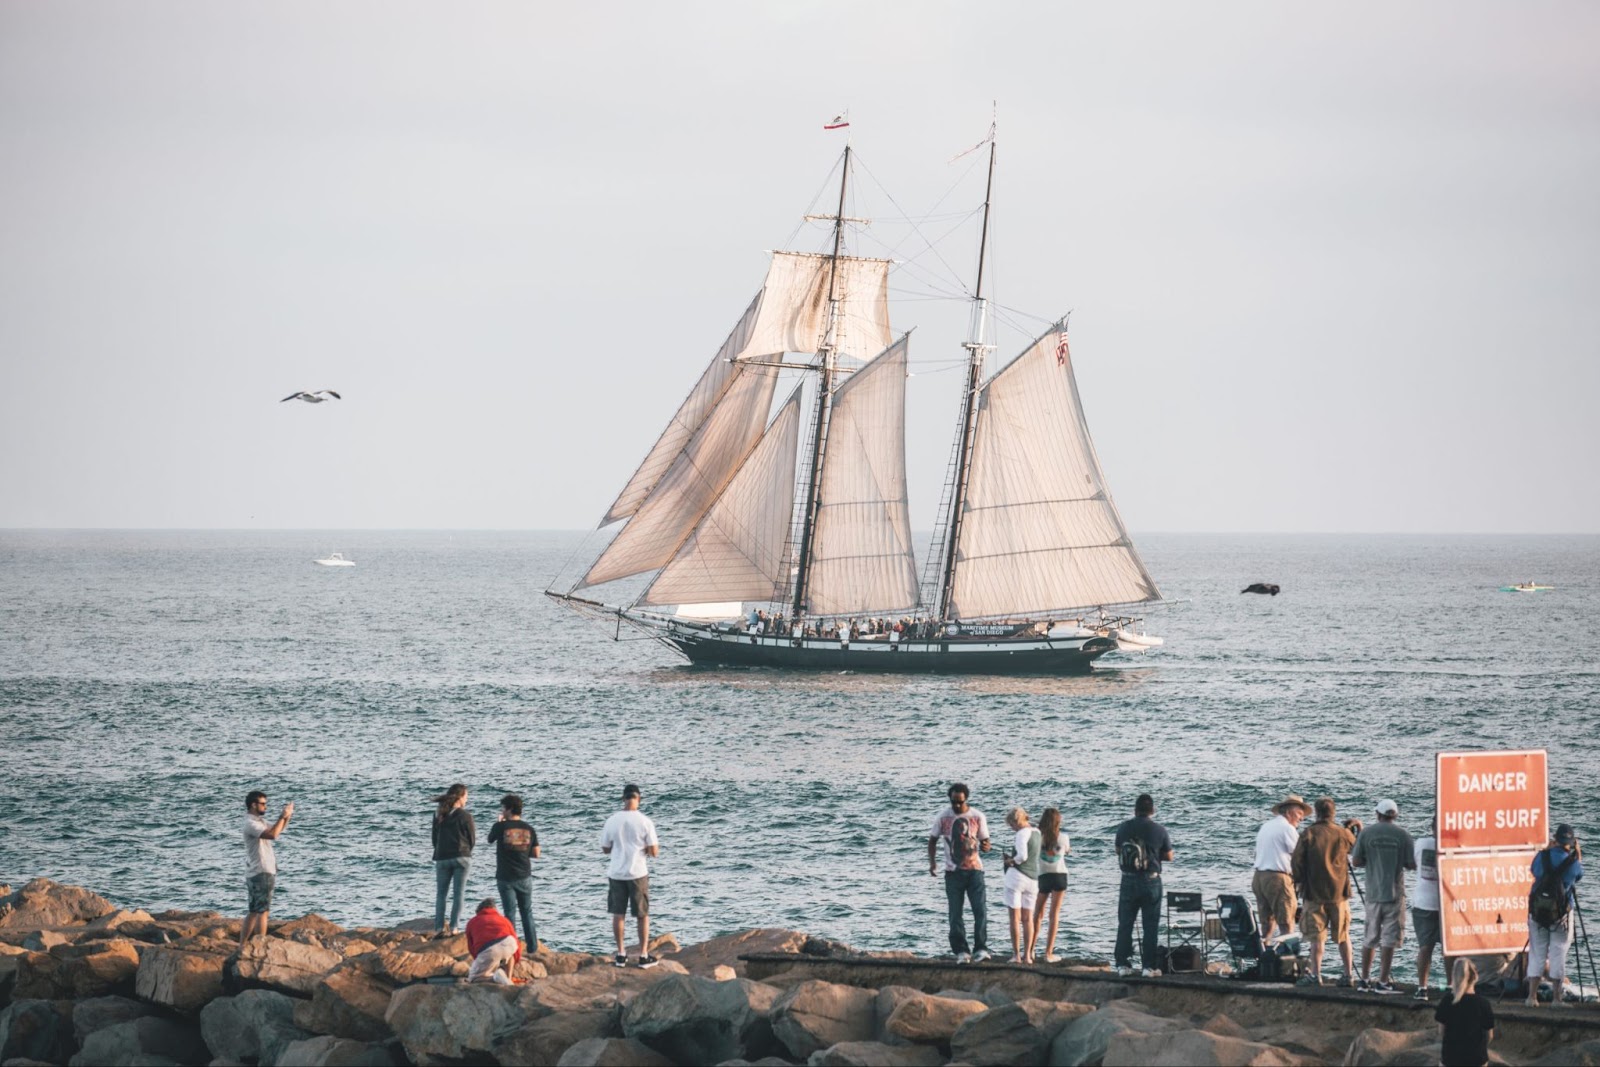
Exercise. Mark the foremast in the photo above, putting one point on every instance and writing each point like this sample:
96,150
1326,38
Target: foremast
977,348
827,353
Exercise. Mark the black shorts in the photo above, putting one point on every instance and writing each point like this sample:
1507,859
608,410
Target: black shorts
1052,882
623,893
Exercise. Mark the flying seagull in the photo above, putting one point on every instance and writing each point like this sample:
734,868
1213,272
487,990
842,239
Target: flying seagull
313,398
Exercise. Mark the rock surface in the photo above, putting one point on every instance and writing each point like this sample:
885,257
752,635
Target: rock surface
1012,1033
612,1052
292,967
78,971
140,1042
184,977
925,1020
876,1054
812,1016
1193,1048
692,1019
328,1051
37,1030
1085,1039
43,903
442,1023
253,1027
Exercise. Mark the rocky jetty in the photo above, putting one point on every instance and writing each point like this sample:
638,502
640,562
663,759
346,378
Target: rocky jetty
84,982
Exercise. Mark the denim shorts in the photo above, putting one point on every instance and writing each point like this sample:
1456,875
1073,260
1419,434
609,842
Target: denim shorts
259,887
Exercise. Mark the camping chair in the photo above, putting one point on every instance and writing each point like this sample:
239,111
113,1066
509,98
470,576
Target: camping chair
1188,929
1239,929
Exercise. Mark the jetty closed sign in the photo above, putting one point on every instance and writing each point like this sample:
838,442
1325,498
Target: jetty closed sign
1493,800
1483,901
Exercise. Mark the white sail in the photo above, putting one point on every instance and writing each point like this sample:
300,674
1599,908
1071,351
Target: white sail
692,480
737,552
861,287
861,554
1039,532
689,417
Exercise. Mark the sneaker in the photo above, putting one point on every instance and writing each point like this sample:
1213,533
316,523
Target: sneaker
1150,972
647,961
1421,993
1309,980
963,957
1122,970
619,960
1363,986
1346,982
980,956
1384,987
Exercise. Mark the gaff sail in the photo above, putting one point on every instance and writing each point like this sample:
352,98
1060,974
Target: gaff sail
1039,532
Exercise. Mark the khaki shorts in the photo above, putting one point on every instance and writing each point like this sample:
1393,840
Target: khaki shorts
1274,892
1386,924
623,893
1322,917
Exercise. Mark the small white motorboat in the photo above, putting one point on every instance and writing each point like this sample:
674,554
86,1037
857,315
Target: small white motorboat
335,559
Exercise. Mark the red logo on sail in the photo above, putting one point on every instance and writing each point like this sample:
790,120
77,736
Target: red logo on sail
1061,351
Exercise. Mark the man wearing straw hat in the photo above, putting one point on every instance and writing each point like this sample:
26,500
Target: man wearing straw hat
1273,882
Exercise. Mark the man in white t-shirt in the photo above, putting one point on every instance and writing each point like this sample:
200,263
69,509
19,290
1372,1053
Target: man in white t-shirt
1425,908
1272,882
260,863
628,838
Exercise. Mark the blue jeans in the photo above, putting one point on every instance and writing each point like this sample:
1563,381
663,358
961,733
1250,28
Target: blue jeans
445,872
1138,896
520,890
968,884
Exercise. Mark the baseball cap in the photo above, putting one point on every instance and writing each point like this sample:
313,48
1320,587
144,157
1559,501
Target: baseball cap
1566,834
630,790
1388,807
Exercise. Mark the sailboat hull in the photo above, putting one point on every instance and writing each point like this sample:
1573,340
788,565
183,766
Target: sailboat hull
959,656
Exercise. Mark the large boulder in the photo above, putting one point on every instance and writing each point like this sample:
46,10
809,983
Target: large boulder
36,1030
184,977
116,920
310,929
563,962
399,966
545,1040
350,1003
97,1013
1584,1054
142,1042
75,972
1383,1048
876,1054
1195,1048
812,1015
593,988
43,903
329,1051
253,1027
611,1052
928,1020
439,1024
1084,1040
292,967
1012,1033
701,1020
705,957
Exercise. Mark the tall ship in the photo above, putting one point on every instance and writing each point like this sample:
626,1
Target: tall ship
775,531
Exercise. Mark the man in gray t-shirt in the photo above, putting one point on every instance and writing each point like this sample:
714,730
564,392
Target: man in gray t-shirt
1387,852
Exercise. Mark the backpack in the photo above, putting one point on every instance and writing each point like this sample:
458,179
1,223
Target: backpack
1547,902
964,843
1131,857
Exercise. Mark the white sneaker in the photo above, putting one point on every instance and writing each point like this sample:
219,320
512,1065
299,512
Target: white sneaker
1122,972
963,957
1150,972
980,956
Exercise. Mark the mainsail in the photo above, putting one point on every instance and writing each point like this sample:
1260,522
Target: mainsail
1038,532
737,550
723,416
861,559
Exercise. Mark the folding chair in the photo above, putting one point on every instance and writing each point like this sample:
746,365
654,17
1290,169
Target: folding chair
1188,929
1239,929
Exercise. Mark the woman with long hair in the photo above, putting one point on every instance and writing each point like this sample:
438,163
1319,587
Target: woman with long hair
1053,849
453,837
1466,1020
1021,865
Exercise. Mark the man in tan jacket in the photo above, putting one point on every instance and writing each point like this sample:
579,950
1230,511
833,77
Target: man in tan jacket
1321,869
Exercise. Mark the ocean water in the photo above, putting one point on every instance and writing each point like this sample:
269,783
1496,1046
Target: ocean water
149,679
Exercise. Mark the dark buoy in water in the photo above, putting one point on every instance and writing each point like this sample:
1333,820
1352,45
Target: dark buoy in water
1261,587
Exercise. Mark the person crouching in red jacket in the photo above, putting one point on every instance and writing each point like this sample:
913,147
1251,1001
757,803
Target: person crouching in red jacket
492,941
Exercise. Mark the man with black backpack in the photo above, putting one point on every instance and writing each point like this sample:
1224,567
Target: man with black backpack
1556,871
965,833
1142,846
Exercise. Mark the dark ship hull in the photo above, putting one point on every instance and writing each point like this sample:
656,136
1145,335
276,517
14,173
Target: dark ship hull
945,655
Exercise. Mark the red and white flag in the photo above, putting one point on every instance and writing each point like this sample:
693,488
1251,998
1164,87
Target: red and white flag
1062,351
838,122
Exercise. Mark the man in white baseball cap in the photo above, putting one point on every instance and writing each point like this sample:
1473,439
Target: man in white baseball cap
1387,852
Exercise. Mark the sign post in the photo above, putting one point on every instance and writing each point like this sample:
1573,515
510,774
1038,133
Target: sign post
1493,816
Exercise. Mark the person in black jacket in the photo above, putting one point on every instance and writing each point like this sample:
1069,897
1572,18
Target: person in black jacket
453,837
1466,1020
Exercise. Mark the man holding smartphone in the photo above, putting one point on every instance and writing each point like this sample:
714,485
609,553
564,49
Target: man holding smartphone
261,865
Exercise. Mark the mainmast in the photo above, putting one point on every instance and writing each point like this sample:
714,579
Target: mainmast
825,366
976,349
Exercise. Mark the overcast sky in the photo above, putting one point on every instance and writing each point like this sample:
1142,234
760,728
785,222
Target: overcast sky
1331,268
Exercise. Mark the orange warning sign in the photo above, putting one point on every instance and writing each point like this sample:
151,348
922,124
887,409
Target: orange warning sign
1493,800
1483,901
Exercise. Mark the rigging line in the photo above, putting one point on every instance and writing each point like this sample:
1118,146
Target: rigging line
960,221
827,183
913,225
